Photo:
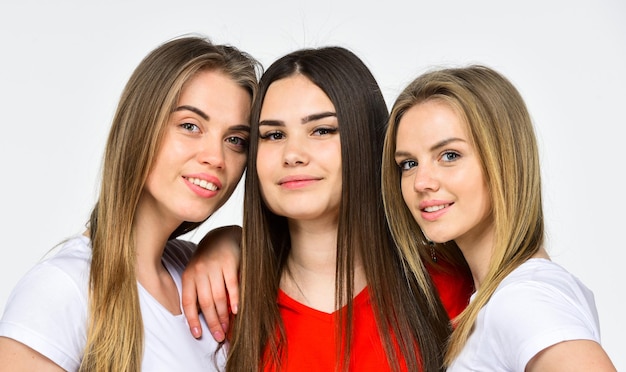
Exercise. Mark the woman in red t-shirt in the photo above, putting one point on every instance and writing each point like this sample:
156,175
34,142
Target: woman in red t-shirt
323,286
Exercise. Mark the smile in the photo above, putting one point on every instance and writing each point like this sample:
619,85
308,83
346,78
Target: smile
435,208
203,183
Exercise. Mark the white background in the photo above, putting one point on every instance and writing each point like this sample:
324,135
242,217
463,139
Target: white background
63,65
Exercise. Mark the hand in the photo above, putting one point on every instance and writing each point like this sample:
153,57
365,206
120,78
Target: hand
211,279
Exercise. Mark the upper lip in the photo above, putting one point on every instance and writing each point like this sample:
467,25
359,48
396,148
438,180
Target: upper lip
297,177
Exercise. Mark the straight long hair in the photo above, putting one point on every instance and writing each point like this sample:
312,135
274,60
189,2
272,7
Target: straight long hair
115,329
406,308
501,130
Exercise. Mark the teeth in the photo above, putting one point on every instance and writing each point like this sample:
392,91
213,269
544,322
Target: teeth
203,183
434,208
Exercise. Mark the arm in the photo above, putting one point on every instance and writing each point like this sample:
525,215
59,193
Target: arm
211,280
575,355
15,356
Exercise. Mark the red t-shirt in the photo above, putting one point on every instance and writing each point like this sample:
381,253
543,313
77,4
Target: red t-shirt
310,333
311,337
454,287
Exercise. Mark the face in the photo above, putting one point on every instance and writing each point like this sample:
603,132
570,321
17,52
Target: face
203,151
299,156
442,180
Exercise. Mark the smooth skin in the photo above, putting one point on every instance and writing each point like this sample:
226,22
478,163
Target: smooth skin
200,162
299,131
444,187
299,169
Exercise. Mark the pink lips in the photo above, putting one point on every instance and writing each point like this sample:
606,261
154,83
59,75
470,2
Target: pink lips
431,210
202,184
297,181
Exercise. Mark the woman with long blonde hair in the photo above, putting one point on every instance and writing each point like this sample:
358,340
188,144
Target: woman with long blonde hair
109,299
461,172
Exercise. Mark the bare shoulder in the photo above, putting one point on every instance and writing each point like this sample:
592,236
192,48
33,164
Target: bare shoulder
15,356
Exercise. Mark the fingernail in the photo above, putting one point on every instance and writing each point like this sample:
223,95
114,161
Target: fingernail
225,327
234,309
218,336
195,331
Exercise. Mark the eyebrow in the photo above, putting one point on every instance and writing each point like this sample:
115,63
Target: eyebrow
304,120
241,127
319,116
434,147
192,109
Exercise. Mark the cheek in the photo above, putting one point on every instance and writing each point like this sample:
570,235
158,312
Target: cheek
406,188
267,158
237,165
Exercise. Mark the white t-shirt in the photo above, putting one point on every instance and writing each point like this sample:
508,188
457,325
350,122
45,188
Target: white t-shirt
47,311
536,306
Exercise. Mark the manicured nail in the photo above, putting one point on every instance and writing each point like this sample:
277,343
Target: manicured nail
195,331
218,336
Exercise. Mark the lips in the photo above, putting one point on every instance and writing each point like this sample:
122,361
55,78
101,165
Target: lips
432,210
435,208
203,183
297,181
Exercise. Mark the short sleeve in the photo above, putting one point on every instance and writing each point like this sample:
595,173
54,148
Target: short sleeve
47,312
528,317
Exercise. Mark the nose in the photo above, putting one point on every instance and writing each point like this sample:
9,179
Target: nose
211,152
425,179
295,153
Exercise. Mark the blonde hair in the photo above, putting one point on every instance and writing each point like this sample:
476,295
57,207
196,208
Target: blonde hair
502,133
115,330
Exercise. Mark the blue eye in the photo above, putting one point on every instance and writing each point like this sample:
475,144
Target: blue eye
449,156
406,165
190,127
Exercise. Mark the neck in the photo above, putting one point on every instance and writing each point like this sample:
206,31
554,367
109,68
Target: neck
150,236
478,252
309,275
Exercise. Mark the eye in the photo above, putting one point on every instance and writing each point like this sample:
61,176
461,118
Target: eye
406,165
272,135
238,142
322,131
450,156
190,127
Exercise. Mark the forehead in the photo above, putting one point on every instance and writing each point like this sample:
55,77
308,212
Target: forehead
430,120
296,95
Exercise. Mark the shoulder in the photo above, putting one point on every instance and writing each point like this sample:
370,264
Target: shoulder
540,304
540,284
544,279
65,270
47,309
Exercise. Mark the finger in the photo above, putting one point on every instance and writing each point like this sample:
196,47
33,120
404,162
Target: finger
190,308
206,299
231,279
220,299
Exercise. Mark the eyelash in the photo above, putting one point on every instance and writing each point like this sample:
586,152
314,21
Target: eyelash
271,135
276,135
403,165
243,142
406,165
448,153
190,127
326,130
